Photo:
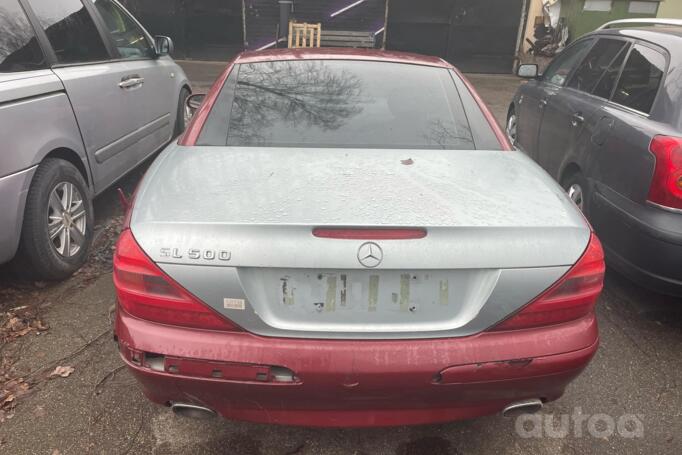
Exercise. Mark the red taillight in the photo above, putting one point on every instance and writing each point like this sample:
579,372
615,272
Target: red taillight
666,184
144,291
369,234
572,297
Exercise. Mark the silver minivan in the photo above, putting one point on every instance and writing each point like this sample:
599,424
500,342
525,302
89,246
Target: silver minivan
86,94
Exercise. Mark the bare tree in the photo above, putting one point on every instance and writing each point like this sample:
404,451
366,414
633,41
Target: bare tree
308,92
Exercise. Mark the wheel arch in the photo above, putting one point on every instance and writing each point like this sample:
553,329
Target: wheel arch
67,154
570,169
34,256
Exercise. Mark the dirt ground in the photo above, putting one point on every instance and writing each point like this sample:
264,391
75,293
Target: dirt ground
93,405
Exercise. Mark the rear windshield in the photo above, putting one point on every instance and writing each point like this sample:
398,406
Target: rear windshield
339,103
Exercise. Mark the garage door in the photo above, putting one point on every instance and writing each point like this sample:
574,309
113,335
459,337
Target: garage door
475,35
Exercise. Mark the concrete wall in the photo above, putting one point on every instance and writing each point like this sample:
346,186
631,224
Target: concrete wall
670,8
534,10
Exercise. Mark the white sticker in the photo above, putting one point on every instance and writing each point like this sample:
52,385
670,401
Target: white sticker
234,304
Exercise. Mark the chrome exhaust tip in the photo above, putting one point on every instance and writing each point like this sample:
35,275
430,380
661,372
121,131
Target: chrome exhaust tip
192,411
522,407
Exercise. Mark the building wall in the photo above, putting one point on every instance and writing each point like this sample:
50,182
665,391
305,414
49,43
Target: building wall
534,10
464,32
670,8
161,17
581,22
204,29
212,29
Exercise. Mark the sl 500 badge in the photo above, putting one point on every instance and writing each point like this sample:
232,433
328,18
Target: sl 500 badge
197,254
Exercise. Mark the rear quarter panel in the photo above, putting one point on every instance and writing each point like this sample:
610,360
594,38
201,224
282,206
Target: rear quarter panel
35,118
624,164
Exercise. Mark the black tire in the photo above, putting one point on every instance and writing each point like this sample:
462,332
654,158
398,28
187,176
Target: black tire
37,257
577,180
180,117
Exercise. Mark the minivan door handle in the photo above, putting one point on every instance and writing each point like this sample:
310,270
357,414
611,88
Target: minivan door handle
131,81
577,119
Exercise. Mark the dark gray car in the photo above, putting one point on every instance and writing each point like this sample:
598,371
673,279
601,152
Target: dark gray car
605,120
86,94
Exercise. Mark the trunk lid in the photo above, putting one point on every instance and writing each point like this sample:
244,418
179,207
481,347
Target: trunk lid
234,227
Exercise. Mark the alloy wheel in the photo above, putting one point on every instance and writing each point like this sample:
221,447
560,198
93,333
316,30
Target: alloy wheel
186,116
66,220
511,128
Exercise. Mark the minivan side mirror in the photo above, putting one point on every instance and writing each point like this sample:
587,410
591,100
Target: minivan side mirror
193,103
528,71
164,45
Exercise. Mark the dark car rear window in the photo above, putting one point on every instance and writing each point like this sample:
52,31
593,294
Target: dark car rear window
640,79
339,103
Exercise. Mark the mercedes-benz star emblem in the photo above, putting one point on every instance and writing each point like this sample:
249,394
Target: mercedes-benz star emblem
370,254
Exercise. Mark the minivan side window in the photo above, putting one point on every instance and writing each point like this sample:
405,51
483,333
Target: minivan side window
19,48
558,71
641,77
70,30
130,40
595,64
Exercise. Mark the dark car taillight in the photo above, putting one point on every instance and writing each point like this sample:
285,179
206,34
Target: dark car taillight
572,297
144,291
666,184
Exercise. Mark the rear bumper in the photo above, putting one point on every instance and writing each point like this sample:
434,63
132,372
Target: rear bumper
358,382
642,242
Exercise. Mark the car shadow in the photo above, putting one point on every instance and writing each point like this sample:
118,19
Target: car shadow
645,303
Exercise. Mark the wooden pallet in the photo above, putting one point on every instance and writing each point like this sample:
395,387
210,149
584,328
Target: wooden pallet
302,34
343,38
